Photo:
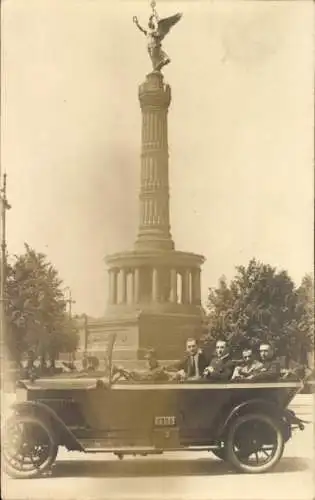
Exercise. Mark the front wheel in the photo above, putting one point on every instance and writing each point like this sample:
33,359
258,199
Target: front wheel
29,448
254,443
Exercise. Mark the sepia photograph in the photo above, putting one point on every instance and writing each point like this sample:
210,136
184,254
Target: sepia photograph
157,255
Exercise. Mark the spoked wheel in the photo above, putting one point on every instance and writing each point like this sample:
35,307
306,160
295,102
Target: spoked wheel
29,448
255,443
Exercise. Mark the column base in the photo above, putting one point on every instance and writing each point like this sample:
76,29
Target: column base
145,243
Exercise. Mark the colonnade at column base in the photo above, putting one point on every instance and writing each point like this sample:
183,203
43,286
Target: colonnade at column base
151,278
154,300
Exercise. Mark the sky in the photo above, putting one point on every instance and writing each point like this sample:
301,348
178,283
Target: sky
240,133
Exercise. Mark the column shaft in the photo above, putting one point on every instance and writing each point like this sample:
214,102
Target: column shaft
136,296
186,287
155,285
114,286
173,294
123,286
154,227
197,287
110,286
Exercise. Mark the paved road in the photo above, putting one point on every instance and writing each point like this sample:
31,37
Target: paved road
175,476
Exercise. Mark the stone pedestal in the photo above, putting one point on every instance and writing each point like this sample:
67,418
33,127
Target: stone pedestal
135,332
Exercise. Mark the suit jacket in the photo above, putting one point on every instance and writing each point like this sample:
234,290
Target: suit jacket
157,374
269,371
296,369
222,368
189,367
243,371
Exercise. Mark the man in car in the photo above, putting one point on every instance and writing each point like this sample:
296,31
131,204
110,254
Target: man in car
153,372
30,369
192,367
248,368
294,371
270,366
221,366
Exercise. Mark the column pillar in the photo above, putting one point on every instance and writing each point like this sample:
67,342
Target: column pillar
183,294
155,285
173,294
110,286
193,286
185,287
123,286
197,287
114,286
136,285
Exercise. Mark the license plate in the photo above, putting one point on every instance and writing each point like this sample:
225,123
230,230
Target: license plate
165,421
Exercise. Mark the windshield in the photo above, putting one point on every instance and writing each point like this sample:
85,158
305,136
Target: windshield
97,360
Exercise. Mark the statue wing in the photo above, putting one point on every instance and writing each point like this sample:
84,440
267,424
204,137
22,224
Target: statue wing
164,25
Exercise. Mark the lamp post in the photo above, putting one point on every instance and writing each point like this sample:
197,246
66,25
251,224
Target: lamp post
86,333
70,301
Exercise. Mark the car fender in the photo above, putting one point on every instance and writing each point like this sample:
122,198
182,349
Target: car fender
63,434
261,405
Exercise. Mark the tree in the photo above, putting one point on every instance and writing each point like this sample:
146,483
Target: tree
261,304
304,343
36,308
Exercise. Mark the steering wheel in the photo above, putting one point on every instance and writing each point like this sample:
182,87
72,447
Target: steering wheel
119,373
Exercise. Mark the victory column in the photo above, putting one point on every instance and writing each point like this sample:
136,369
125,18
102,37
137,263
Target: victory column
154,296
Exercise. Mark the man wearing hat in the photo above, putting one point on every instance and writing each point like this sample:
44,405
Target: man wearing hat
154,372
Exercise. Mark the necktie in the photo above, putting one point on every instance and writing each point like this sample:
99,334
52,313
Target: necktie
191,366
196,365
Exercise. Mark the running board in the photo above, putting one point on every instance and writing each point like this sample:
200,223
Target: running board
125,451
137,450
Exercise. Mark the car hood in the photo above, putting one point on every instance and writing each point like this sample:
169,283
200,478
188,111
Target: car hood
62,382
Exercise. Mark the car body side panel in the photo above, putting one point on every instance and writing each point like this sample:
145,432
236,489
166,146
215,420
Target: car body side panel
135,407
125,413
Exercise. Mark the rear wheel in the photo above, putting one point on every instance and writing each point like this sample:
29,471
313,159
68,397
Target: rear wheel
254,443
29,448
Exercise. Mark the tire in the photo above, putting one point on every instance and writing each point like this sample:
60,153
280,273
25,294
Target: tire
249,433
42,437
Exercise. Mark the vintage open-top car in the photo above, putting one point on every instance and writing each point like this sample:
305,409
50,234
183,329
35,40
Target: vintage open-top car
246,424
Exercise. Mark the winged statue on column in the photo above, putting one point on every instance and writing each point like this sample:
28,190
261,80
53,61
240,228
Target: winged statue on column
155,33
